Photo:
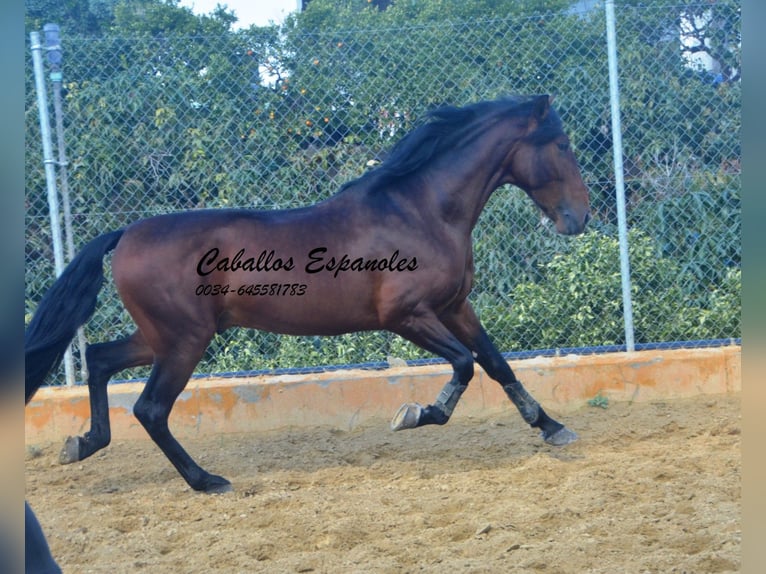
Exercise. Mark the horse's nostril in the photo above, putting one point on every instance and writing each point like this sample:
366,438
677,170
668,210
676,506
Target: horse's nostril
573,223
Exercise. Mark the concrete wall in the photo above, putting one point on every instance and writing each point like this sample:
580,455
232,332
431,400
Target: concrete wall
343,399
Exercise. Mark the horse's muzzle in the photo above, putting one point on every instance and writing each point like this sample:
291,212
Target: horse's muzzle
570,223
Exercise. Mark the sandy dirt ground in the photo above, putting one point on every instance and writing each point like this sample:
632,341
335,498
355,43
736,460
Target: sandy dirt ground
649,488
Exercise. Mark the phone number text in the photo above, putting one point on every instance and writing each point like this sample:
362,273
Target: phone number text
261,289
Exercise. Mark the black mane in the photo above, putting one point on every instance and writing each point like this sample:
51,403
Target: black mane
446,126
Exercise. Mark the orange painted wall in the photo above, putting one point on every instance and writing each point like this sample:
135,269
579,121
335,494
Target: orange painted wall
343,399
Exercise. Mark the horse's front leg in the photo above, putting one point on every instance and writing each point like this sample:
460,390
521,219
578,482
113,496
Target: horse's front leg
468,329
490,359
412,415
430,333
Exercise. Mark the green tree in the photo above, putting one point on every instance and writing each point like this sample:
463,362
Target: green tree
92,17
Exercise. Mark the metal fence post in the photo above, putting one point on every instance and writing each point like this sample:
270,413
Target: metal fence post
614,99
53,46
50,175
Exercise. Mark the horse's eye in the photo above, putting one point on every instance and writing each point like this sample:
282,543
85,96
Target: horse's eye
563,146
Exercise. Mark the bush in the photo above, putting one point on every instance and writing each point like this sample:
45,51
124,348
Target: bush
578,301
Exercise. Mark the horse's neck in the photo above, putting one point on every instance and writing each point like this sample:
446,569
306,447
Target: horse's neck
461,191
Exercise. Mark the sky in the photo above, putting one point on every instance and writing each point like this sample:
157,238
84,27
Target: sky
259,12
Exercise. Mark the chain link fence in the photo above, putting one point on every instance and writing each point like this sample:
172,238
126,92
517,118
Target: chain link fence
278,117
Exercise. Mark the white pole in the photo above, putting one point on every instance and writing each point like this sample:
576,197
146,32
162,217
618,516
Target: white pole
614,98
50,176
53,45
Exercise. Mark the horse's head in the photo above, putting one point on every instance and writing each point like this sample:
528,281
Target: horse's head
544,166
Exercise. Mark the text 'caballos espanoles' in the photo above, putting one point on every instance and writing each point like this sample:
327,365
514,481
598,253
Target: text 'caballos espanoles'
317,261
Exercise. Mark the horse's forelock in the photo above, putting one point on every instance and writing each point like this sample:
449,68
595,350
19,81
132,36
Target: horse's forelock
547,130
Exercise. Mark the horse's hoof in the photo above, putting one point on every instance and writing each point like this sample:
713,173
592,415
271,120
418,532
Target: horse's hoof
71,451
217,485
561,437
407,417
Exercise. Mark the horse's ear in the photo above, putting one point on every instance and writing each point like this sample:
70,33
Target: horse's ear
542,106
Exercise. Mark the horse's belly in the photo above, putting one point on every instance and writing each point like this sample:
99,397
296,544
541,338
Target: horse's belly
292,308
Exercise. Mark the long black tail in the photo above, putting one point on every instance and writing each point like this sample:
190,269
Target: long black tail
69,303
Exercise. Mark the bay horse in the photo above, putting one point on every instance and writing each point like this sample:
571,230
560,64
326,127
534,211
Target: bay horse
390,250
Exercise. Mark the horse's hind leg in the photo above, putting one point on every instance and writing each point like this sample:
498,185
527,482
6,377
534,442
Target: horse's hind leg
468,329
169,377
104,360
